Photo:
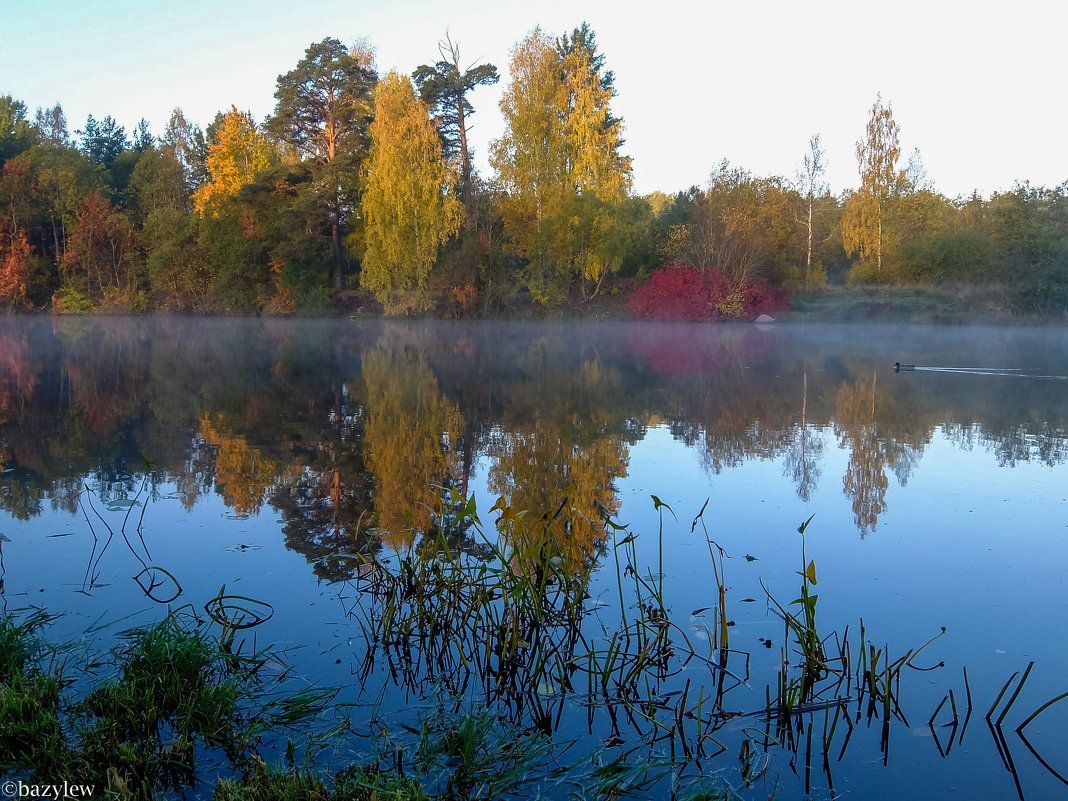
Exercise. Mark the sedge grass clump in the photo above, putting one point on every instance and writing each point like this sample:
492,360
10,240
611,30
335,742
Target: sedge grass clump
177,708
354,783
30,732
172,691
31,735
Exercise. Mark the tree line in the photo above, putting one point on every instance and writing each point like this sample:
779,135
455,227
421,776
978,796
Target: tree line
365,182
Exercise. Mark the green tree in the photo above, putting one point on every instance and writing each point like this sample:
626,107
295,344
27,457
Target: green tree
561,141
103,141
142,137
324,108
741,224
530,158
51,126
186,141
14,128
62,176
157,182
865,232
444,88
408,205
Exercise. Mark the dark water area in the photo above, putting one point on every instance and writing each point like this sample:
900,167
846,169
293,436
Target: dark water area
272,456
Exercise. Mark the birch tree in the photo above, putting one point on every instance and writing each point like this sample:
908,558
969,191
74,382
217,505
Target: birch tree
408,205
811,182
864,228
560,163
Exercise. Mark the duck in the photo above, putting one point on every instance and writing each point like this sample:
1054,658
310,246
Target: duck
898,367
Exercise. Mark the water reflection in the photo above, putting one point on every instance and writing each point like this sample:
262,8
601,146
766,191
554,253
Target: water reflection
346,429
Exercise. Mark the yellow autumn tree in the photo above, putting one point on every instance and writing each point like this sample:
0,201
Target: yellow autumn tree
866,229
409,207
560,162
240,151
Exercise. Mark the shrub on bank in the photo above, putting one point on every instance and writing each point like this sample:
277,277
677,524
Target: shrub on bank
679,292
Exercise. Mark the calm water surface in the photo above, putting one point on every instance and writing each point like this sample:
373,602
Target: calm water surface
267,455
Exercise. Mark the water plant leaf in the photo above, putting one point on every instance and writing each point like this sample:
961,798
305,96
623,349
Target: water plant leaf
657,503
803,526
700,514
238,611
810,571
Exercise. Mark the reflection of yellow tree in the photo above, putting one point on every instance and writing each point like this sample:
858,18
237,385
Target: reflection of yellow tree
242,475
537,468
865,479
881,435
410,435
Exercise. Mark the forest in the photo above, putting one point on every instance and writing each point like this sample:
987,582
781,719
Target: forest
358,195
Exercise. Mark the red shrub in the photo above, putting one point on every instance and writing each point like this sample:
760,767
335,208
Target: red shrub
677,292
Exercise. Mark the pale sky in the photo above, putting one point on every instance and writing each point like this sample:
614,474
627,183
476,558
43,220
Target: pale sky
978,88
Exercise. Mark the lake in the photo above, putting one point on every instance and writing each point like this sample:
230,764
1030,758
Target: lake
149,463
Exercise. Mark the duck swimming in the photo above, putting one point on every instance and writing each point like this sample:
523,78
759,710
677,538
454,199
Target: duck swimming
898,367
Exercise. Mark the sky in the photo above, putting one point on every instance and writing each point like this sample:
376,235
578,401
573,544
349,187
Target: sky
978,88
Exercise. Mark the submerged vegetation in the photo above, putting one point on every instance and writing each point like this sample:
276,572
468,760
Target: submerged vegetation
539,672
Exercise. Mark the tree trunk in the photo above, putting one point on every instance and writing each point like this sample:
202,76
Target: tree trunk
465,166
808,256
879,245
339,250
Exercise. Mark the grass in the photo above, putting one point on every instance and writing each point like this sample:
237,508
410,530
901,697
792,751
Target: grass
935,304
173,705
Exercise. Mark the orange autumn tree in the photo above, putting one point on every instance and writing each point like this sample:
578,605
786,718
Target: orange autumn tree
16,197
14,268
240,151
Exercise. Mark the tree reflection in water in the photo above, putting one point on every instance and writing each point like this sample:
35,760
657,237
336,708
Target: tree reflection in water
346,429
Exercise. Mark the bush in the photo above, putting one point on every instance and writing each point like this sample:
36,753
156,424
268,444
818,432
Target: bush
678,292
68,300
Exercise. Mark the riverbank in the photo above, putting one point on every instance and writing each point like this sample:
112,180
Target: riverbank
950,305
